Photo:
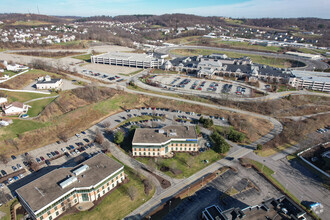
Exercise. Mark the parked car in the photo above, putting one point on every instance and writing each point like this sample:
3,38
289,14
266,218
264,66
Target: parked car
47,162
10,180
4,173
21,175
2,185
38,160
14,168
67,154
83,132
49,155
57,153
19,166
53,153
13,157
15,177
42,158
63,149
71,146
78,135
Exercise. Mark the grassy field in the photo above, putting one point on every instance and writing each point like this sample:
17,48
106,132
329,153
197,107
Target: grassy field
158,71
117,204
9,73
245,45
38,106
5,208
131,74
276,62
179,161
18,127
23,96
84,57
31,23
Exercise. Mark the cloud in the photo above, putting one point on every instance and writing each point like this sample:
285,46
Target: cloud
266,8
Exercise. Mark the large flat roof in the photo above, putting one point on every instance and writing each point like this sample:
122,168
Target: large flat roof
128,56
312,76
158,136
44,190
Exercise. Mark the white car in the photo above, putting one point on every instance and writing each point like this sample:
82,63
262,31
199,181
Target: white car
78,135
63,149
10,180
21,175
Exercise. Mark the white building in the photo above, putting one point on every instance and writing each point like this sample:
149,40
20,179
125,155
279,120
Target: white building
305,55
48,83
16,108
129,60
318,81
3,100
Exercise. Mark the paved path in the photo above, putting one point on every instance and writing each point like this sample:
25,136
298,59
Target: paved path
37,99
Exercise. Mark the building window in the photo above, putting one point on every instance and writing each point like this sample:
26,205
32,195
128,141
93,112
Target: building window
176,148
41,217
194,149
112,181
48,213
55,208
74,196
98,191
108,188
144,153
135,153
102,187
57,213
62,204
107,184
103,192
189,149
149,153
75,201
113,185
50,217
63,209
154,153
185,149
158,149
158,154
180,148
140,153
68,199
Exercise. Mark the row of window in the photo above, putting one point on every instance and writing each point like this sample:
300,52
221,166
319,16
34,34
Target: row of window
158,154
158,149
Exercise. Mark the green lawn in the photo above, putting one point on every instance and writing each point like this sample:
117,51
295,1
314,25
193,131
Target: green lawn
276,62
180,159
5,208
23,96
19,127
84,57
9,73
164,71
38,106
117,204
246,45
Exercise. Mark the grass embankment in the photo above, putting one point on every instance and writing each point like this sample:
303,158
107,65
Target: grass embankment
131,74
5,208
276,62
27,78
117,204
180,162
38,106
48,54
7,72
84,57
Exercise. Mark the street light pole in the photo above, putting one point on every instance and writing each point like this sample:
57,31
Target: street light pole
170,205
202,181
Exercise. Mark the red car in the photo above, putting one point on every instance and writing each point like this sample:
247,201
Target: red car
42,158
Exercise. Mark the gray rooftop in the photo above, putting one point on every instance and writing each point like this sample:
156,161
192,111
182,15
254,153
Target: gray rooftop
157,136
44,190
48,82
312,76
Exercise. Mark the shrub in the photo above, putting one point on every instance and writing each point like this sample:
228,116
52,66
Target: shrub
219,143
119,137
259,147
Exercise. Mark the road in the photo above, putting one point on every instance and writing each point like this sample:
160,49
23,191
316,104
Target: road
310,64
298,180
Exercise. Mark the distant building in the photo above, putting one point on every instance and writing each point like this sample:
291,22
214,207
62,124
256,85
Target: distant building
129,59
51,195
16,67
48,83
150,142
319,81
15,108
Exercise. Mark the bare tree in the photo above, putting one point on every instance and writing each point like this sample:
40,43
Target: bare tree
106,146
34,166
132,192
63,136
99,138
107,125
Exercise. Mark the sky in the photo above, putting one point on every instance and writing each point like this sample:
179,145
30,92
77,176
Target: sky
227,8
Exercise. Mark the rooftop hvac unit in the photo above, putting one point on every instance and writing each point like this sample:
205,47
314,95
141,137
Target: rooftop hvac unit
80,170
68,182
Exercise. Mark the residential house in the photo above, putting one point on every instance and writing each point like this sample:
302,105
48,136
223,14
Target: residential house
15,108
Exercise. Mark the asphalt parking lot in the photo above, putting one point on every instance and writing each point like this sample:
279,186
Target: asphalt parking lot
252,190
200,84
176,117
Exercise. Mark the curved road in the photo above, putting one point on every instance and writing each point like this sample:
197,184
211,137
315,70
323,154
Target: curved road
310,64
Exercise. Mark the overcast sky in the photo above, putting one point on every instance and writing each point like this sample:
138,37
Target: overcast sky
228,8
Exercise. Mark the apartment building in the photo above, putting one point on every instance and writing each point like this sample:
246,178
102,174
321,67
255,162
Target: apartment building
136,60
49,196
149,142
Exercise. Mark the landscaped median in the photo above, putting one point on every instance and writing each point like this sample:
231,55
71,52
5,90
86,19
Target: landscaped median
118,203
